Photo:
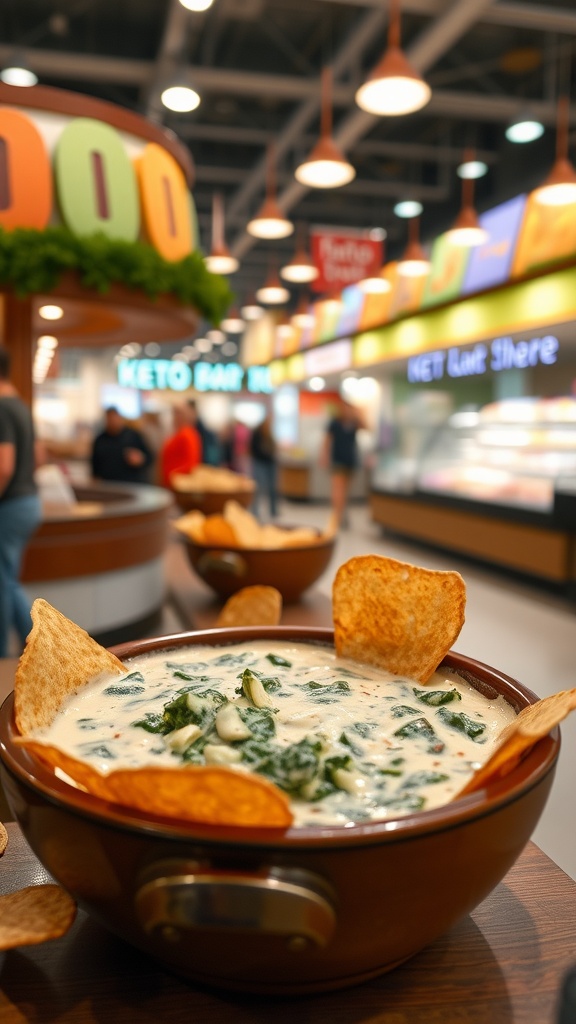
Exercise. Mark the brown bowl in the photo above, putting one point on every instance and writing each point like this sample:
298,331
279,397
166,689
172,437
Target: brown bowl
265,911
211,502
291,570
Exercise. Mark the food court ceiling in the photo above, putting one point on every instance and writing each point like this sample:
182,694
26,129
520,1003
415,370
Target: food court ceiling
257,64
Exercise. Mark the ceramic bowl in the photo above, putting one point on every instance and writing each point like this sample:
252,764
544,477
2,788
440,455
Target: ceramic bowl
268,911
291,570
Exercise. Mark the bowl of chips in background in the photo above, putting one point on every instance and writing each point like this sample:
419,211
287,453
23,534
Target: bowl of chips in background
232,550
208,488
255,908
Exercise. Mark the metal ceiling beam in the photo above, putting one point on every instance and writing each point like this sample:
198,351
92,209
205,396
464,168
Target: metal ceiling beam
513,15
430,45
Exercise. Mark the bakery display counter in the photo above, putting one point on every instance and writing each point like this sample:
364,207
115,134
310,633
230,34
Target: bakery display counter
496,484
99,558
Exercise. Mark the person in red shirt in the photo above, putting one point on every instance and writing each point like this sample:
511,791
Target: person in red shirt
182,451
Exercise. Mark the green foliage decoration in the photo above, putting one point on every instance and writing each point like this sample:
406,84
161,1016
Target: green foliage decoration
32,261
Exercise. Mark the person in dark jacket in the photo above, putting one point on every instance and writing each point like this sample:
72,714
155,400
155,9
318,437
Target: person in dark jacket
20,510
119,452
264,466
340,455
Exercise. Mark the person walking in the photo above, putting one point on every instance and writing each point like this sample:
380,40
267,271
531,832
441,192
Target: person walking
120,453
182,451
20,510
264,466
340,455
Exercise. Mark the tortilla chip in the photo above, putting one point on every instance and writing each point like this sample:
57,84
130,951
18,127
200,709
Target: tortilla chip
3,839
245,525
272,537
531,725
35,914
252,606
208,795
192,525
394,615
217,530
302,537
59,658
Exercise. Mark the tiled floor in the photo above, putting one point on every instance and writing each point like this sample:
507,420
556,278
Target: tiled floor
514,626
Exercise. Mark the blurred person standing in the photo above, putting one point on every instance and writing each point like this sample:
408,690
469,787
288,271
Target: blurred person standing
20,511
119,452
341,456
182,451
210,442
264,466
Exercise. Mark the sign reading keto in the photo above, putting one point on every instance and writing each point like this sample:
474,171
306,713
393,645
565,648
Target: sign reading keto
501,354
176,375
99,187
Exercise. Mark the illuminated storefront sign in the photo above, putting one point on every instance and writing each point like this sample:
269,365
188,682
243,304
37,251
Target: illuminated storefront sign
176,375
103,181
501,354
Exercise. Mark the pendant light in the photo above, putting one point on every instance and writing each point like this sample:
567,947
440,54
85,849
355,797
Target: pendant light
303,318
326,166
273,292
301,269
414,262
559,188
394,87
251,310
220,260
270,222
374,285
467,230
18,72
233,322
524,127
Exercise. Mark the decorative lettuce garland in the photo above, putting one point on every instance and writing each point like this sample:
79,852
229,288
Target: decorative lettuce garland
32,261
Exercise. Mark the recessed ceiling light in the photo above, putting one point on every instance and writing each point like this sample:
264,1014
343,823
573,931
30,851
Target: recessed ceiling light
407,208
49,312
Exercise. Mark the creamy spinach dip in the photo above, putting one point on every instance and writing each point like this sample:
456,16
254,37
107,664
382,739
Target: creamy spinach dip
345,741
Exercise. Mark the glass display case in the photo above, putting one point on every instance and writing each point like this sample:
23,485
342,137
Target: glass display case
515,452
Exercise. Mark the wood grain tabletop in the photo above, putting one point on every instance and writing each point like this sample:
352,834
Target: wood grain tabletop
501,965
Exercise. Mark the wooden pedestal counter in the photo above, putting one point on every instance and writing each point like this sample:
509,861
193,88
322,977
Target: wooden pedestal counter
100,560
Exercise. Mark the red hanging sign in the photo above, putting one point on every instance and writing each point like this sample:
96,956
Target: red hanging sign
343,258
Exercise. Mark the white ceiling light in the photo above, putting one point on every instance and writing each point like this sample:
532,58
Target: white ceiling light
203,345
559,188
197,5
316,383
251,311
180,98
17,72
374,285
273,293
216,336
472,169
524,128
230,348
407,208
50,312
220,260
467,230
233,324
326,166
394,87
414,262
270,222
301,269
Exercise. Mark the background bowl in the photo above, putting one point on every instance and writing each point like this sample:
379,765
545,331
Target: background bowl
291,570
266,911
210,502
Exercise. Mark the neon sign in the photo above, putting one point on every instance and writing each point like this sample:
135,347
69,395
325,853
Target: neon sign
501,354
177,375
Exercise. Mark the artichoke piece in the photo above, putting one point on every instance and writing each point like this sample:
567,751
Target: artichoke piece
229,724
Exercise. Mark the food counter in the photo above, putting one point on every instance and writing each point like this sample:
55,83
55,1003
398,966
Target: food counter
301,479
497,484
100,559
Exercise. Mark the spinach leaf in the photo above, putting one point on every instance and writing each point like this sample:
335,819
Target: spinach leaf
462,723
231,659
326,693
151,723
96,750
349,743
192,709
333,764
407,802
129,684
275,659
364,728
433,698
423,778
420,728
402,711
188,668
260,722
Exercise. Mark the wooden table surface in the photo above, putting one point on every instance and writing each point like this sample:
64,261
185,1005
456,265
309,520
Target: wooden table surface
502,964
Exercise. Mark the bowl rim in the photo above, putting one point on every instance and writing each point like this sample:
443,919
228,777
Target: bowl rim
529,773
